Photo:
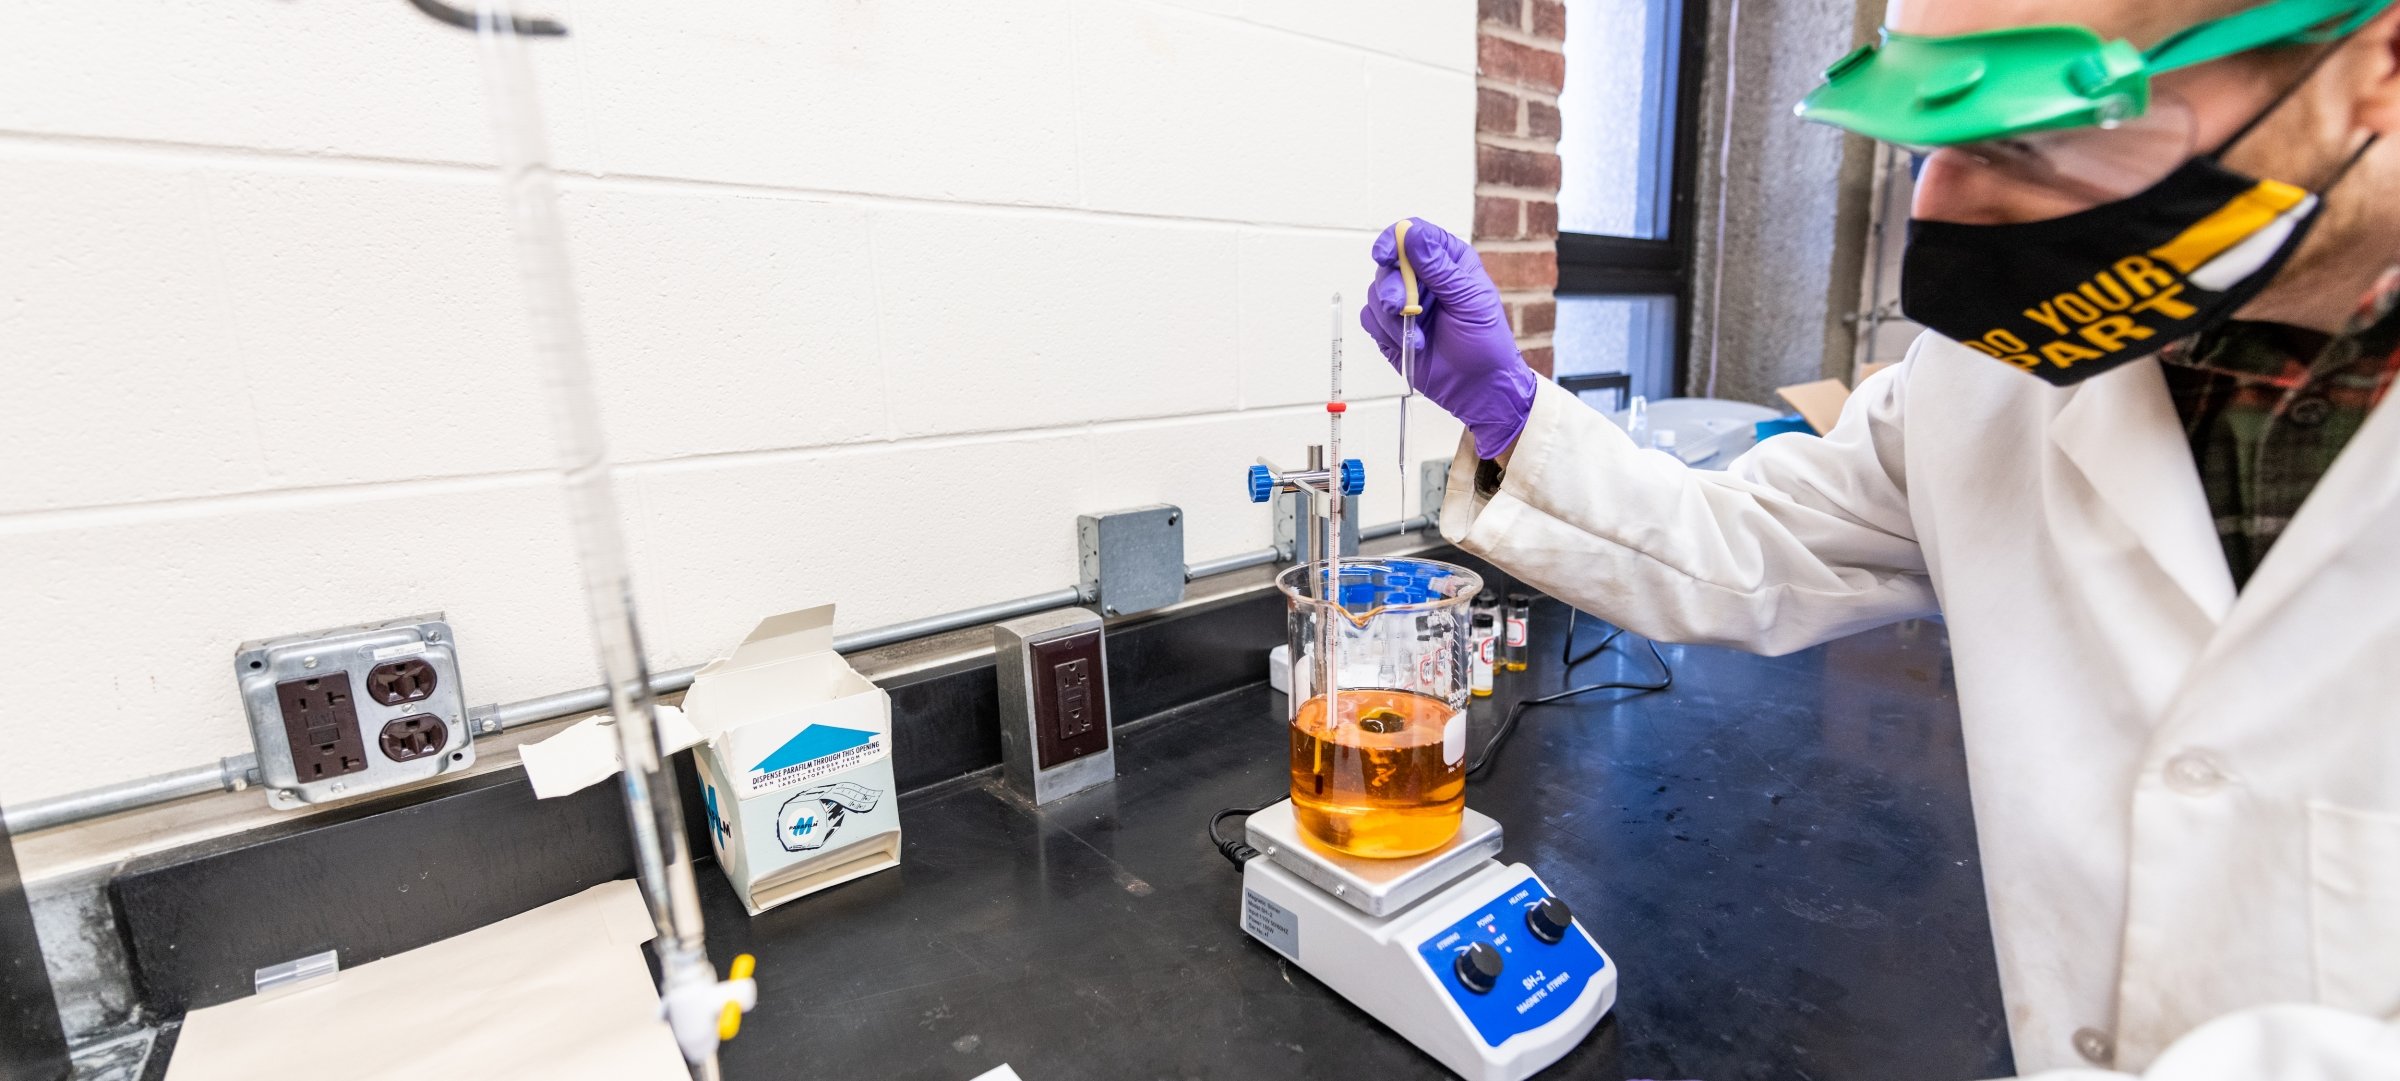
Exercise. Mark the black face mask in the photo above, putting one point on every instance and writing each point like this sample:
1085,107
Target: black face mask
2072,297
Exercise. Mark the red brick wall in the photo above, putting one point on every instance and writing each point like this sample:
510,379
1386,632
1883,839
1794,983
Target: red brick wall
1520,69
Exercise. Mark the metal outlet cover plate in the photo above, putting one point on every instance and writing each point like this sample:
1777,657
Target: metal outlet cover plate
1038,764
404,731
1375,887
1433,487
1132,560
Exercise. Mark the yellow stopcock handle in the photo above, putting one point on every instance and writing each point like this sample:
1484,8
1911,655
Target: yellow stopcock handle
729,1023
1408,273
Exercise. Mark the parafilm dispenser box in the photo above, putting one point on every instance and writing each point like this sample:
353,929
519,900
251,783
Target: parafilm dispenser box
797,776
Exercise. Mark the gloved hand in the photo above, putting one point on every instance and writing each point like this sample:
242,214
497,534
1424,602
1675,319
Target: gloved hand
1467,358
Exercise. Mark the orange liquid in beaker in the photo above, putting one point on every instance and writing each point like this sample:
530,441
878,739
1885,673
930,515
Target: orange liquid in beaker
1379,782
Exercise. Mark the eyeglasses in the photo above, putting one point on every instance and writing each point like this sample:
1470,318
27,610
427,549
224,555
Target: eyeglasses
2038,176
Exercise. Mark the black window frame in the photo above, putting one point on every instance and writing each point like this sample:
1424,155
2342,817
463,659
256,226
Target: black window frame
1599,265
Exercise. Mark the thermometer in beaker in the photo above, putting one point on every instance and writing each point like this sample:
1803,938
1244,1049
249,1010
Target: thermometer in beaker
1410,309
1329,546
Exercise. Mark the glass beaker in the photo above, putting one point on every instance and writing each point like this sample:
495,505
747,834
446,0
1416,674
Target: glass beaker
1384,772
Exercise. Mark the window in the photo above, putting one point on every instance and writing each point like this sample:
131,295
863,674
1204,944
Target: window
1624,199
1621,345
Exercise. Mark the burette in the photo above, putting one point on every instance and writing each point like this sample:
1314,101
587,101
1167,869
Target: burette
700,1009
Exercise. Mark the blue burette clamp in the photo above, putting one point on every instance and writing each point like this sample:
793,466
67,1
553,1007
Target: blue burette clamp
1266,481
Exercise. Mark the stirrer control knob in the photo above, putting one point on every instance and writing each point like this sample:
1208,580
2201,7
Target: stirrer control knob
1478,968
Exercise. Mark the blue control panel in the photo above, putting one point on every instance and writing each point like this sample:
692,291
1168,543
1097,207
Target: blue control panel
1536,981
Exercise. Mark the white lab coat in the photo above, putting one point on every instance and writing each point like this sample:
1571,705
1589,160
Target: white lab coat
2188,803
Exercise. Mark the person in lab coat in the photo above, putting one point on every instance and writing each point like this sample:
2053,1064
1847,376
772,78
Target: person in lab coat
2137,465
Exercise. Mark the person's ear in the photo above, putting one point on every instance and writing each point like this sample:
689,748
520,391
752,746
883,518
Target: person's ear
2379,75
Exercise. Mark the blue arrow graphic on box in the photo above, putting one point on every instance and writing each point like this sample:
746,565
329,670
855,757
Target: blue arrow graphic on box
812,743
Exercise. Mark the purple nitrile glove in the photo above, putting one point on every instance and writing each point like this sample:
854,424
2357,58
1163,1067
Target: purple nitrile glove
1467,358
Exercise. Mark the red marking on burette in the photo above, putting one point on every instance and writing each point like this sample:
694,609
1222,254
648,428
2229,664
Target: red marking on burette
1337,407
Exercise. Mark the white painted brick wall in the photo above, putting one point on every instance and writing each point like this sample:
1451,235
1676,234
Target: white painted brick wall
881,295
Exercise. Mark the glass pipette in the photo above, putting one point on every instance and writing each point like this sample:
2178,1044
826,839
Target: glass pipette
1410,309
700,1010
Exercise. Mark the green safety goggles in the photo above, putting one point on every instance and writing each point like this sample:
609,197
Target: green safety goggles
1972,88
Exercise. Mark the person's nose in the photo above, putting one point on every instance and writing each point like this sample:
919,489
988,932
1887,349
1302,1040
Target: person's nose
1953,185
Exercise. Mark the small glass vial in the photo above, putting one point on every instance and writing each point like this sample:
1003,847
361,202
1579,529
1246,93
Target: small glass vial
1486,647
1513,641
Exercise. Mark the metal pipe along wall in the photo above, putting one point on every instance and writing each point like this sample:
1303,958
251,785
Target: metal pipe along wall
240,771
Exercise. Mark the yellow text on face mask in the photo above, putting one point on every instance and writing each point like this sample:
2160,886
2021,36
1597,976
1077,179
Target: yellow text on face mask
2132,301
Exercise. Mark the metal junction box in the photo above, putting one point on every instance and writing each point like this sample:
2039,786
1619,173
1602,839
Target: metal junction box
344,712
1433,487
1132,560
1293,535
1054,718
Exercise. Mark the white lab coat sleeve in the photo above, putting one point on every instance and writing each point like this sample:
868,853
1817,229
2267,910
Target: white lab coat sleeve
1802,540
2271,1043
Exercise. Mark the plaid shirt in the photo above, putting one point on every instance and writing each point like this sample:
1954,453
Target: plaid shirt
2269,407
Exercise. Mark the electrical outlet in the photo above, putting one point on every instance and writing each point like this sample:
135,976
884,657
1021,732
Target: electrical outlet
413,737
320,724
395,682
1069,717
344,712
1054,726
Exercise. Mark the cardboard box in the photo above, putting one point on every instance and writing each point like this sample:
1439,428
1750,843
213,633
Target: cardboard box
1820,403
797,774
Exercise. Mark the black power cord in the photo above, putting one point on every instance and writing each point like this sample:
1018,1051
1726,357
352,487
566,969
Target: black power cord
1234,849
1508,725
